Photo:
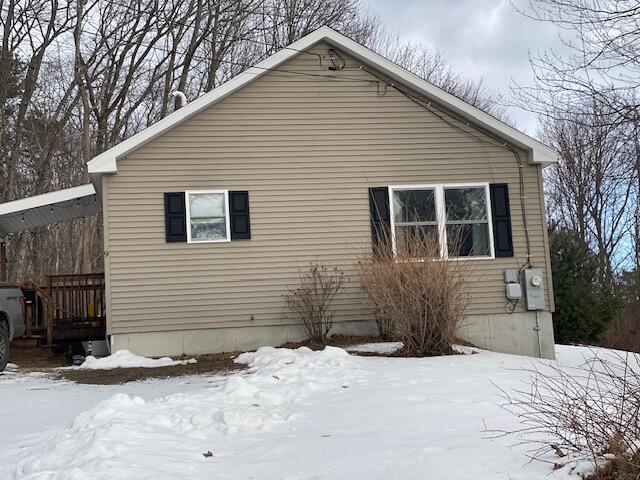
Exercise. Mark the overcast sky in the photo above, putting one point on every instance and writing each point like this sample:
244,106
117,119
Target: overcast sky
480,38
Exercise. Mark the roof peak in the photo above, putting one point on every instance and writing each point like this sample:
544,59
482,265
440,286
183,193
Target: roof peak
106,162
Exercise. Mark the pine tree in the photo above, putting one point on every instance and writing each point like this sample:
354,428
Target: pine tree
584,308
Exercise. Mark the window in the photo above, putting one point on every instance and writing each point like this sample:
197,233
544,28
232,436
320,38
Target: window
207,216
467,222
457,217
414,212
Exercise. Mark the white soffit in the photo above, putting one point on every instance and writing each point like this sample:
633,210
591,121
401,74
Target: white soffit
106,162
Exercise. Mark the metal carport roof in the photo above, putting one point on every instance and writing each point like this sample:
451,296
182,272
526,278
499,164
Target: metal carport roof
49,208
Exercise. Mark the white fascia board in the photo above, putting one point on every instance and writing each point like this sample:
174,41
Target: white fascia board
538,152
45,199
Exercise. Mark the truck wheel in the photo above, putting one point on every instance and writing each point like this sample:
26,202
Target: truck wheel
4,347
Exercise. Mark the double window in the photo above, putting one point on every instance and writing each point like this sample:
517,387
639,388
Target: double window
208,216
455,218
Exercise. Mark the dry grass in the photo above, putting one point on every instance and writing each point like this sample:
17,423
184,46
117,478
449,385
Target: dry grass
419,300
31,358
619,468
212,364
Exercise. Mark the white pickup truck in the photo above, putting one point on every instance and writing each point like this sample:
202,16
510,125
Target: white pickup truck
12,319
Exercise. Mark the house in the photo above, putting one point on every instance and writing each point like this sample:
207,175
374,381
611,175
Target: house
209,212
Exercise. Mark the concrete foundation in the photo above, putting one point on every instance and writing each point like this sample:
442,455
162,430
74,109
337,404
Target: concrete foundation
507,333
231,339
516,333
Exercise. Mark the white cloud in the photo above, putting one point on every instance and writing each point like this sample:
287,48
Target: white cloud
480,38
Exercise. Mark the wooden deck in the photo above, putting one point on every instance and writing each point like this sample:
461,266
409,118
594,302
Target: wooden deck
71,308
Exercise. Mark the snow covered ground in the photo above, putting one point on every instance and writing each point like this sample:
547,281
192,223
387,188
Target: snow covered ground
126,359
382,347
295,414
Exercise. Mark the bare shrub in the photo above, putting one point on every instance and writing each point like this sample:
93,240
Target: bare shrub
420,299
589,413
309,303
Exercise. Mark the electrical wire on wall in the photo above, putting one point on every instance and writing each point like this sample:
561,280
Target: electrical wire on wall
497,142
338,64
510,306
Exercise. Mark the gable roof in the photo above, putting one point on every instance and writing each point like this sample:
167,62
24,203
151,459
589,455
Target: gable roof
106,162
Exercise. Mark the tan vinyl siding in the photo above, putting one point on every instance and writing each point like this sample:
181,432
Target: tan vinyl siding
307,149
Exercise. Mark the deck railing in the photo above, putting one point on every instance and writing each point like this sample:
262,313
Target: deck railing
76,307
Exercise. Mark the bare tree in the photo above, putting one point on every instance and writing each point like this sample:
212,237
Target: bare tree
31,26
593,82
600,62
592,190
434,67
293,19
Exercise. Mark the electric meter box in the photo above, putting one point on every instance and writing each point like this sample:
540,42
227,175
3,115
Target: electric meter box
511,275
534,289
514,291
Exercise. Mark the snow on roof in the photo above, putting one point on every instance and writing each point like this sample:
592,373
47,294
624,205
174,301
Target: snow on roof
106,162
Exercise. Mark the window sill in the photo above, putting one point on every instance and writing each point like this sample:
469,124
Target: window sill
196,242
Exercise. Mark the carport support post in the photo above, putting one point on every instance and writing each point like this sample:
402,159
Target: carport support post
3,260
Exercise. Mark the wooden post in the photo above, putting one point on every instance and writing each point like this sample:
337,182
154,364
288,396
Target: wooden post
3,260
49,314
29,314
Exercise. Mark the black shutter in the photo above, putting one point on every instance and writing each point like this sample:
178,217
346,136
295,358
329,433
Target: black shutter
175,217
380,217
501,214
239,215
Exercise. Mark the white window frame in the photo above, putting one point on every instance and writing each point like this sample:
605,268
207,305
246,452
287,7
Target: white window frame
441,219
226,213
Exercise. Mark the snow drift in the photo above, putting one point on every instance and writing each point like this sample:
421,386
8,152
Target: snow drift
293,415
127,437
